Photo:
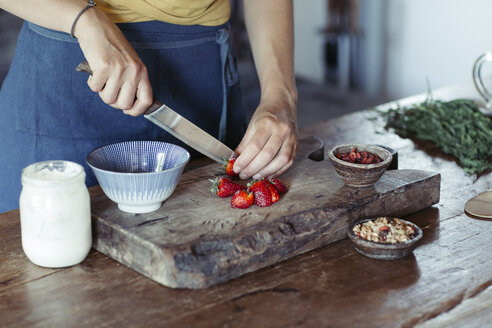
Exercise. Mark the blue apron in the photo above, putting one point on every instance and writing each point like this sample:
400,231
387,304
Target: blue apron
48,111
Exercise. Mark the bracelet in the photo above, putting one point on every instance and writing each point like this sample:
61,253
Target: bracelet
90,4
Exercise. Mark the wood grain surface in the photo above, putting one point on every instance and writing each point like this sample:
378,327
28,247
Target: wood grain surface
196,239
445,283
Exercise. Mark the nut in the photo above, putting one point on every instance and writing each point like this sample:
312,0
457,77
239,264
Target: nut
385,230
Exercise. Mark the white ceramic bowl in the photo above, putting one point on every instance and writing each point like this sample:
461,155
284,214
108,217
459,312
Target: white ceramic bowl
138,175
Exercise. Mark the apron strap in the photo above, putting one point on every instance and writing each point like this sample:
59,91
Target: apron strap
229,76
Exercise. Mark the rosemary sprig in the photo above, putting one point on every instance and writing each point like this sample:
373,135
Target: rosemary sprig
457,127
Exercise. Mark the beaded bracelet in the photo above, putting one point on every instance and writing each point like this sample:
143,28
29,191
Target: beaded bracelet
90,4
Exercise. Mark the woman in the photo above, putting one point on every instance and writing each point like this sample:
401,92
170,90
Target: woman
176,51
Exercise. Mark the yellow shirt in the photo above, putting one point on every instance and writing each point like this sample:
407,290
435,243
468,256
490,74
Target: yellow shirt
182,12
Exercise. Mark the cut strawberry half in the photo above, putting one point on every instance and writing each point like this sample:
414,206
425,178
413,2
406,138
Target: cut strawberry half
242,199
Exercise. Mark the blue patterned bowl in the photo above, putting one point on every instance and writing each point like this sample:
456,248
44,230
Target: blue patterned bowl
138,175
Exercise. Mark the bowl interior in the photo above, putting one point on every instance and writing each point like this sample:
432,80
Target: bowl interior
355,238
383,153
384,251
138,157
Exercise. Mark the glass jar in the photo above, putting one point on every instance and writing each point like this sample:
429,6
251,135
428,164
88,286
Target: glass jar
55,214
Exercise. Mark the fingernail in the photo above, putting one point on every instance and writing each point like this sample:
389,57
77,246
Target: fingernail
242,176
256,176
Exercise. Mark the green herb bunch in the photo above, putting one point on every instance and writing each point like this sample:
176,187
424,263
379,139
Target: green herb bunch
457,127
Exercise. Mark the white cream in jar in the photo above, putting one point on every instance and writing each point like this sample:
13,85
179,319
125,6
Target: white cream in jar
55,214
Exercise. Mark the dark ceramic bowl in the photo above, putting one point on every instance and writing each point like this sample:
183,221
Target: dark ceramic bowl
383,251
360,175
394,161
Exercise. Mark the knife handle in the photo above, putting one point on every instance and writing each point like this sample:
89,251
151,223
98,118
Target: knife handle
85,68
156,104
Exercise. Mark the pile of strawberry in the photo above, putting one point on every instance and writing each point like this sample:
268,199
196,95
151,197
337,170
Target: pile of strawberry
262,192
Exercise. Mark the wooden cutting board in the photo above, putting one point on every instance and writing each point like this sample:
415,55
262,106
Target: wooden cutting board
197,240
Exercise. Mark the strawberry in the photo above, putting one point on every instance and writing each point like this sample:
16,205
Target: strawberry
228,167
273,191
224,187
261,190
242,199
279,185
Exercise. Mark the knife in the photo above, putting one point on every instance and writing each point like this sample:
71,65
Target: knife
178,126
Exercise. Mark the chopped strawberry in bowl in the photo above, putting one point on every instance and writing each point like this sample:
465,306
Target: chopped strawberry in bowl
359,165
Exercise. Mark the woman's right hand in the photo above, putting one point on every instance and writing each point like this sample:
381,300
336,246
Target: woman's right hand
118,74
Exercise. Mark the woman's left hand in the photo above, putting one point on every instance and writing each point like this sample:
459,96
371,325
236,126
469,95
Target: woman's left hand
269,146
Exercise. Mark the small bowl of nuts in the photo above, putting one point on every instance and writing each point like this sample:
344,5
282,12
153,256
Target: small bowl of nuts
384,238
360,165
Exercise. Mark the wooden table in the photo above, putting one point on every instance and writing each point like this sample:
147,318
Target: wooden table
445,283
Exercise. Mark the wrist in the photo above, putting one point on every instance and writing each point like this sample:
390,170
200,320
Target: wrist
282,95
91,21
90,4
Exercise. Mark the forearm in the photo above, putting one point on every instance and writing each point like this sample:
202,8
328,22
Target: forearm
270,29
119,75
269,145
53,14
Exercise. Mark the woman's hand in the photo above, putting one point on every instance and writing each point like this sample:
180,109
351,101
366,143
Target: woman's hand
269,146
119,75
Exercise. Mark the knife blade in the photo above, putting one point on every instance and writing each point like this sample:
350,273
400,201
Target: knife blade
189,133
181,128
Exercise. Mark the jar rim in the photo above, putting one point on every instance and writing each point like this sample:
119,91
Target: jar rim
52,172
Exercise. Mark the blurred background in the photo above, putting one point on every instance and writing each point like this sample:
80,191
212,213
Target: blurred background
355,54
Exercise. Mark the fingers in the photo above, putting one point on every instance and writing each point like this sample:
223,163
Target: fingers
143,99
111,90
267,149
282,161
258,151
272,160
125,87
98,79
